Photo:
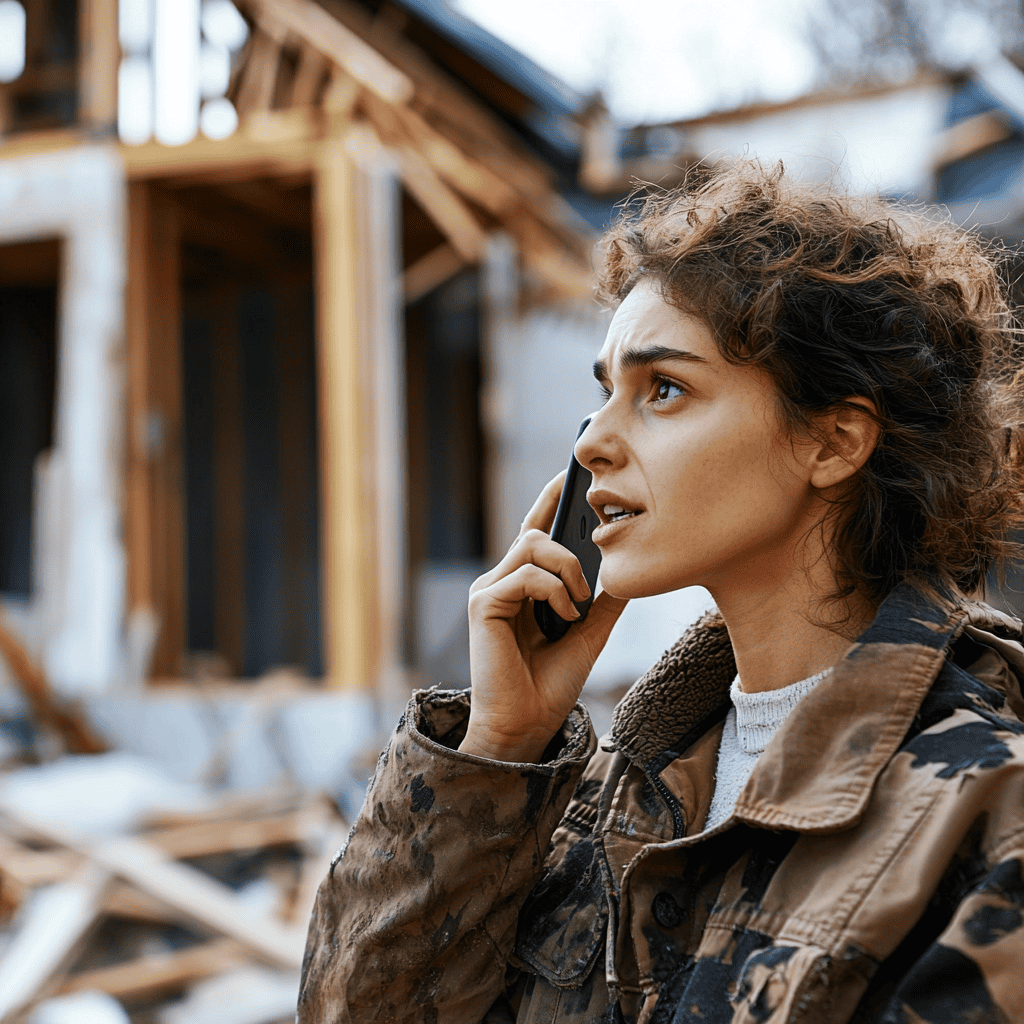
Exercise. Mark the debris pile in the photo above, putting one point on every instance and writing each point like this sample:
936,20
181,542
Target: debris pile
186,917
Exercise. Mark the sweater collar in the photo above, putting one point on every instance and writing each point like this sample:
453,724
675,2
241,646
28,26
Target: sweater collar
818,772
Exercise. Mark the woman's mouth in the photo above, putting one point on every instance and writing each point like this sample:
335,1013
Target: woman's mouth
613,513
616,516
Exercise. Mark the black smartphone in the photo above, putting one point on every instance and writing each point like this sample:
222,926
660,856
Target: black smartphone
575,521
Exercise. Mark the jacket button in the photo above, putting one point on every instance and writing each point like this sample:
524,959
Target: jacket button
667,911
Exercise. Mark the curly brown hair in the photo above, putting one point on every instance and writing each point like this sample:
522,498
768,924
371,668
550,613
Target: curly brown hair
836,296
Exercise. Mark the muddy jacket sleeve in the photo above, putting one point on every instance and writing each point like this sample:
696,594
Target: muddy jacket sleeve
417,916
973,970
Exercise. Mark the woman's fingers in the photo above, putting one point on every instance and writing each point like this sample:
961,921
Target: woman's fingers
537,548
542,515
597,627
503,598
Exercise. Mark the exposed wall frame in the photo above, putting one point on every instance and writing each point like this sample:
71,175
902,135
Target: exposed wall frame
345,542
79,196
378,193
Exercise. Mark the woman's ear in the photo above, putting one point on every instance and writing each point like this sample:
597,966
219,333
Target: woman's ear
849,433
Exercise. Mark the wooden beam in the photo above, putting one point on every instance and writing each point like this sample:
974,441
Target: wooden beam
36,689
98,61
309,76
59,919
240,157
160,973
431,271
137,525
163,437
209,903
472,178
543,255
345,562
443,206
202,838
124,900
487,137
47,140
32,868
969,136
315,27
259,75
186,890
399,124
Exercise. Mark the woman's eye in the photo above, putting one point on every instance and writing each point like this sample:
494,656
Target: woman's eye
605,393
666,390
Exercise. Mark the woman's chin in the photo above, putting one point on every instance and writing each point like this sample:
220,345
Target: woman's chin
630,586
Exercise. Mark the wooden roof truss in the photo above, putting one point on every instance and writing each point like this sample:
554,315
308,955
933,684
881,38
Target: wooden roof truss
459,162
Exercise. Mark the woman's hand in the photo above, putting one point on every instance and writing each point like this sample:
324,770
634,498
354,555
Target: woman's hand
524,686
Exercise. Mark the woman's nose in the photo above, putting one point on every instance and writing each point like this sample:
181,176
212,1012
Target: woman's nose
596,446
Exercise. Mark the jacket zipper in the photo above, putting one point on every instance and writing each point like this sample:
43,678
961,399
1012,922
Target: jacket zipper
678,821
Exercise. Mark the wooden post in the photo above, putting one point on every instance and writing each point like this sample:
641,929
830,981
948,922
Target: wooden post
383,341
155,507
165,435
98,60
345,561
137,484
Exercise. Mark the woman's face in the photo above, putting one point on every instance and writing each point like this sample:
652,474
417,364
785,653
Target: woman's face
694,447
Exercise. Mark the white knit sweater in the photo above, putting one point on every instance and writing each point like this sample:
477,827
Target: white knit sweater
751,722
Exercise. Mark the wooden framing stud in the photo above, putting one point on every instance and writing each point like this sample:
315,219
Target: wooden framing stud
337,246
99,55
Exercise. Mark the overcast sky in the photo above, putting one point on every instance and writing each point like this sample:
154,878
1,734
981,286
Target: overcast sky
658,60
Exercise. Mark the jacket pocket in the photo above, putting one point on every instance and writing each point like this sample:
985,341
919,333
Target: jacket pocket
563,923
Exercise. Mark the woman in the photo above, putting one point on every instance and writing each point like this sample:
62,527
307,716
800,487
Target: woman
812,808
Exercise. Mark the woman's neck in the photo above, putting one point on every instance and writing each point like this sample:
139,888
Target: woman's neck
787,630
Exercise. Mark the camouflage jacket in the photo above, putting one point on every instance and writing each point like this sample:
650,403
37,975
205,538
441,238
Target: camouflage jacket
871,870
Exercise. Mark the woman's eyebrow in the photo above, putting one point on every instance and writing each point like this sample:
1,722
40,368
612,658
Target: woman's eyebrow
634,358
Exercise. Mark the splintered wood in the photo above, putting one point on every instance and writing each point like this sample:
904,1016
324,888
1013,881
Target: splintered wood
147,916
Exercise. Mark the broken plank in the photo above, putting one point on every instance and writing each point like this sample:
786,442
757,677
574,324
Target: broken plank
160,973
203,838
184,889
206,902
56,921
32,868
124,900
36,689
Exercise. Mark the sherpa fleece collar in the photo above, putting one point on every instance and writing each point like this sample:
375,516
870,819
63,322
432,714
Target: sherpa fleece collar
818,772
